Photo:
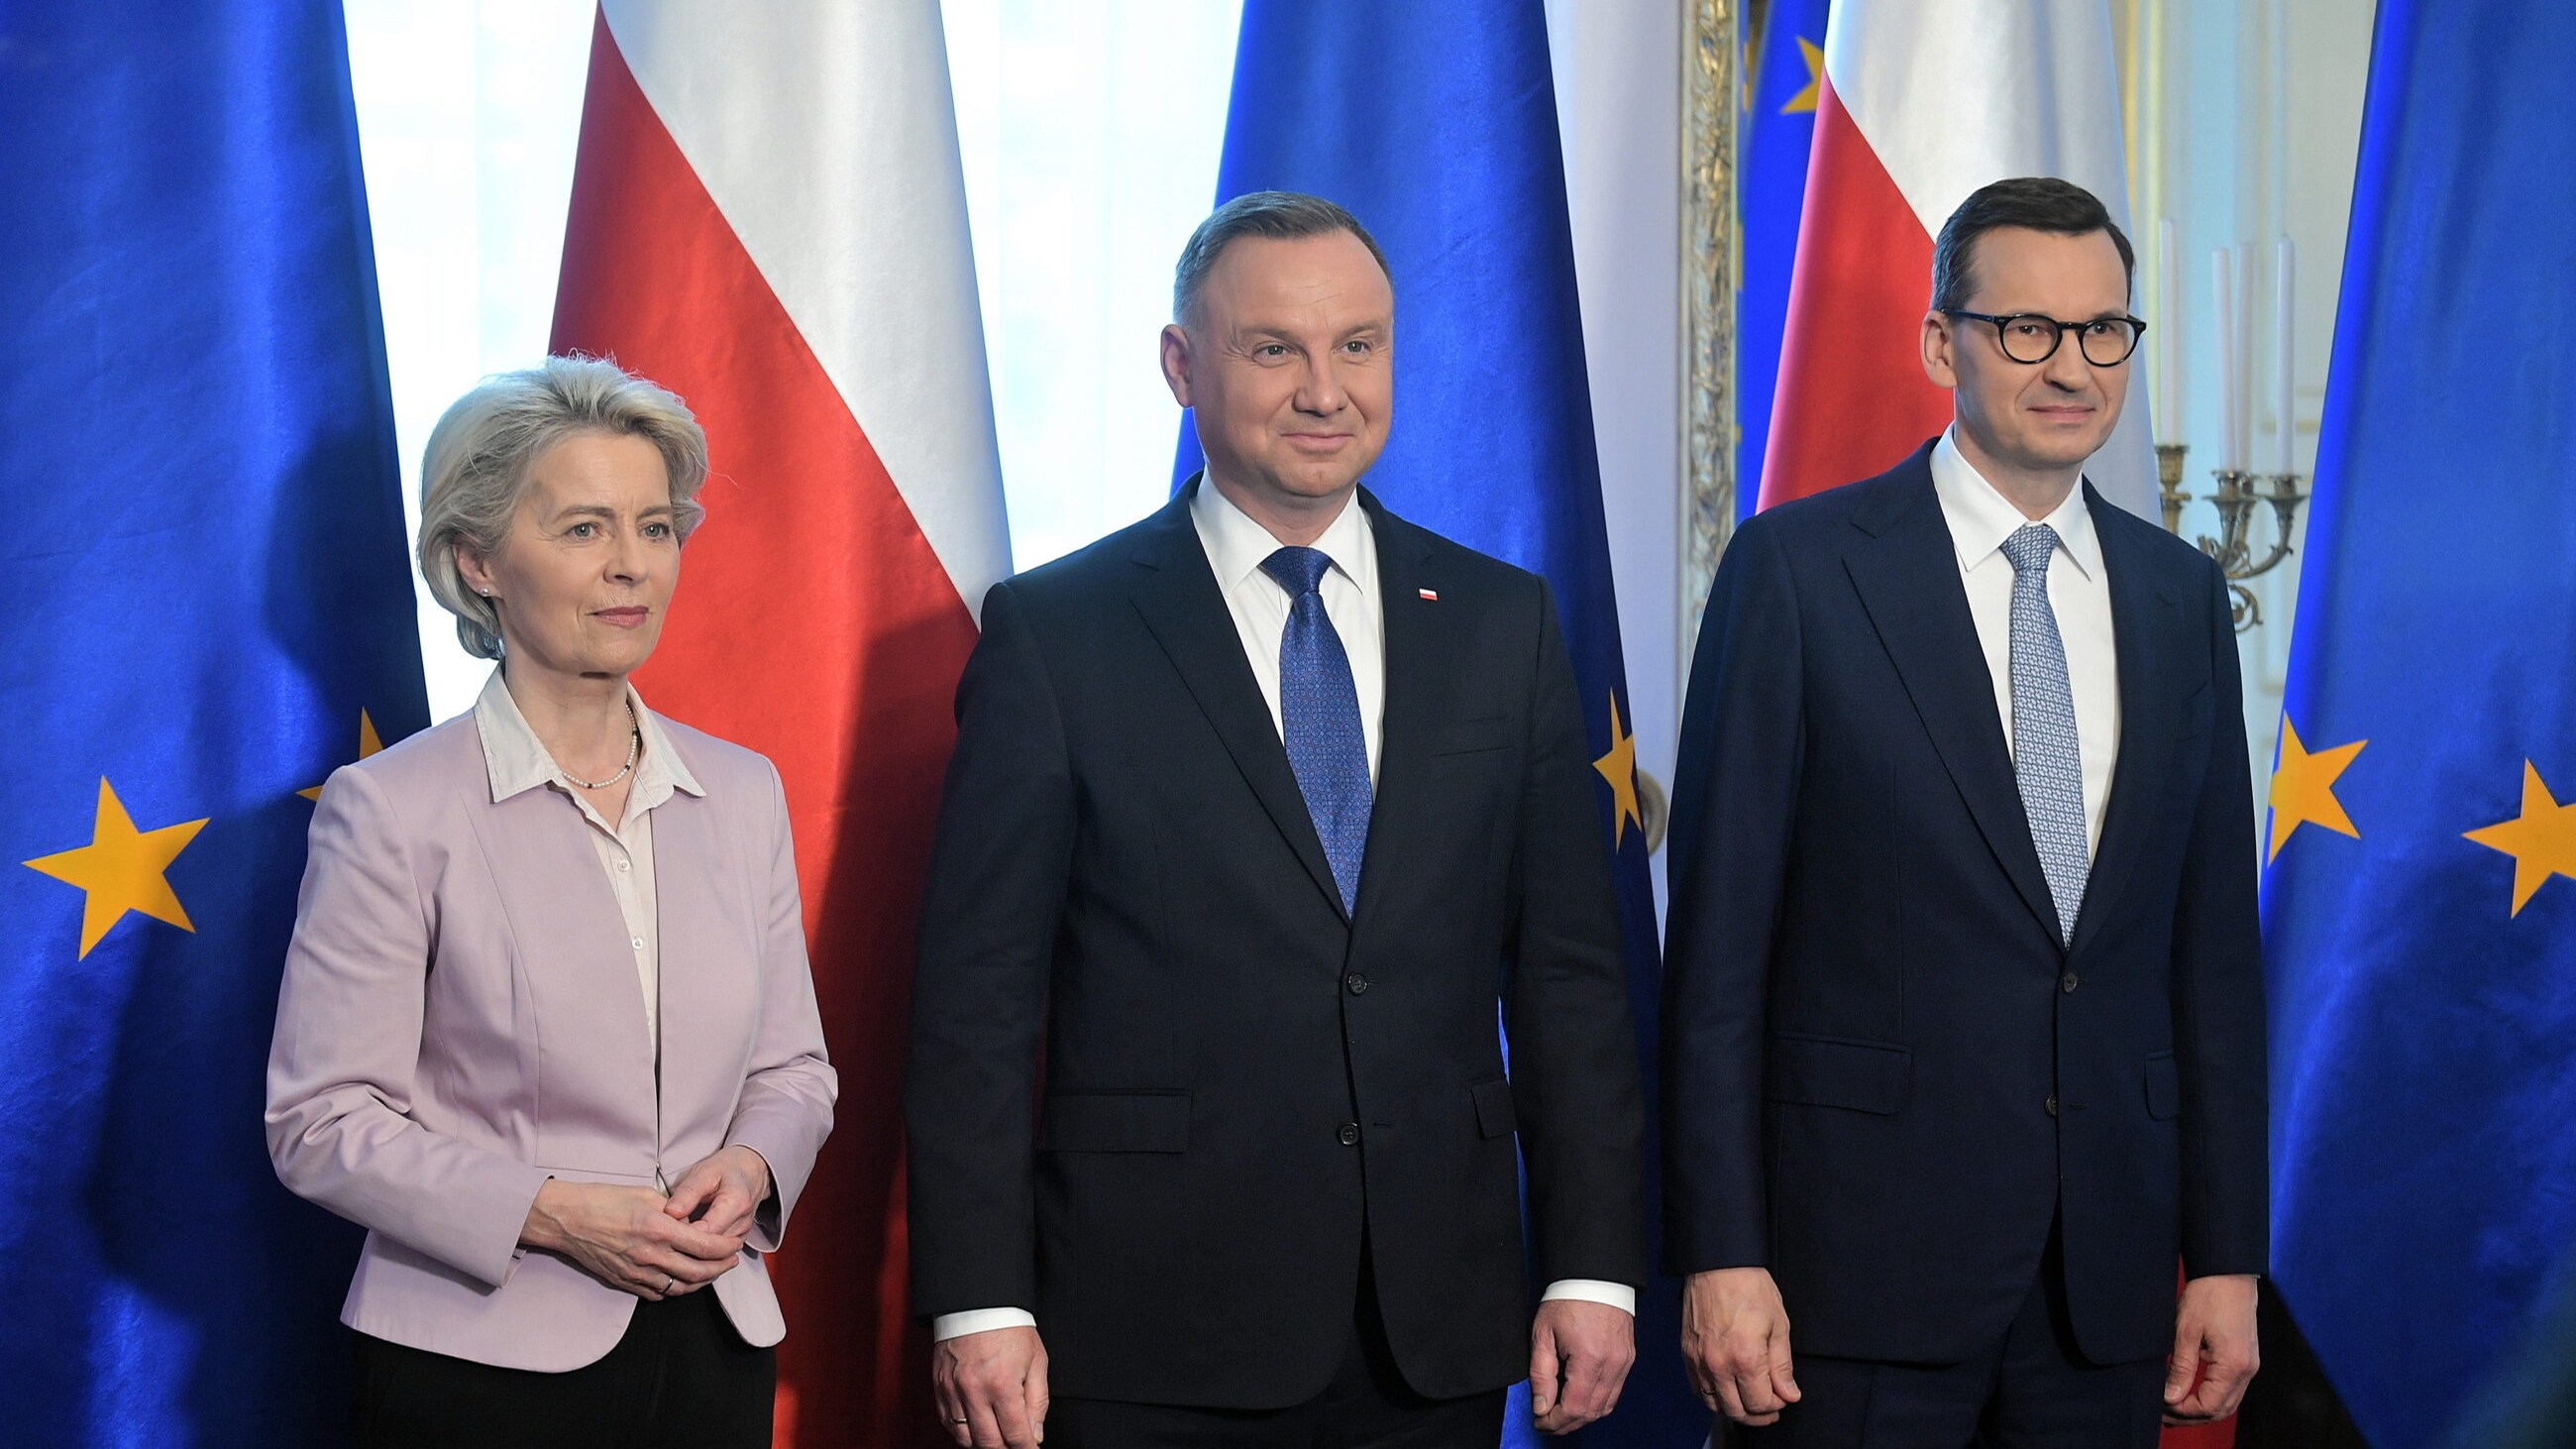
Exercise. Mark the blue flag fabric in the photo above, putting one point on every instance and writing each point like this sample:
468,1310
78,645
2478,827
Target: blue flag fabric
204,607
1435,124
2420,923
1788,75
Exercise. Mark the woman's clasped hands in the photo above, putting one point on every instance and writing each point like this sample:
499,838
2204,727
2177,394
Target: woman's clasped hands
638,1241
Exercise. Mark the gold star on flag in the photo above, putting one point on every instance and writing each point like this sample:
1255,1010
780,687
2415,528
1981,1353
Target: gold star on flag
2303,789
2542,841
121,869
1619,767
368,744
1806,100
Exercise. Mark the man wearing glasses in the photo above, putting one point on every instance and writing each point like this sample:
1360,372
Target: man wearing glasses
1964,1002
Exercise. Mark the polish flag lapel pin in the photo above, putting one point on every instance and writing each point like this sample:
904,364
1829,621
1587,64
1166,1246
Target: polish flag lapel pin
1432,594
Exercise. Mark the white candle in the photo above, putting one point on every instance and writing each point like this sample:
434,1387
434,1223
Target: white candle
2285,399
2244,355
2226,315
2168,399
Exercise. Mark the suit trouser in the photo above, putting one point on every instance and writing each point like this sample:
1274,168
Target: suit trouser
1367,1405
2033,1389
680,1378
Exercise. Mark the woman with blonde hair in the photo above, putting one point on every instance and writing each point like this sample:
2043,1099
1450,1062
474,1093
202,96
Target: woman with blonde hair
547,1029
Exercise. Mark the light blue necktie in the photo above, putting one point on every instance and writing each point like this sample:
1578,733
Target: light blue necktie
2046,759
1319,718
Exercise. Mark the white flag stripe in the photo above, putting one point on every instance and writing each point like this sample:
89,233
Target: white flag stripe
826,135
1960,93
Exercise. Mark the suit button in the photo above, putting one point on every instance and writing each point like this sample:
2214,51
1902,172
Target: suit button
2068,982
1349,1135
1357,983
2052,1106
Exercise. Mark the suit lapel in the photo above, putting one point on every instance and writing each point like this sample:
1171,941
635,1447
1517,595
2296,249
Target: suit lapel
1417,679
1176,593
2145,626
1907,575
564,919
707,1005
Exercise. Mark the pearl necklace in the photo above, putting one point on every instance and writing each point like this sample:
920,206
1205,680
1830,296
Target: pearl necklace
634,752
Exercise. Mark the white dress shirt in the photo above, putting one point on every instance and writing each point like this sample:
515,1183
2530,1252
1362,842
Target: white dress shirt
2079,591
517,761
1235,546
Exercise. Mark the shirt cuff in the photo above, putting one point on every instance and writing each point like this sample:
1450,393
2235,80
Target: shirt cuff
1587,1290
984,1320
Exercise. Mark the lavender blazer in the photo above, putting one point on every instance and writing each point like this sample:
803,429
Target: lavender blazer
461,1020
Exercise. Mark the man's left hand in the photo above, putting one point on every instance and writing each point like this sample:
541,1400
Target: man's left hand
1579,1357
722,1192
2214,1354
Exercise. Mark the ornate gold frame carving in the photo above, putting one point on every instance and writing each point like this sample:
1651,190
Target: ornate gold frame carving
1712,54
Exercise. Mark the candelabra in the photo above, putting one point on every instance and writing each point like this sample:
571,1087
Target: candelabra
2235,500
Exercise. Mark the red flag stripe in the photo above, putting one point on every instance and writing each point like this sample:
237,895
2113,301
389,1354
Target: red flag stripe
815,624
1852,399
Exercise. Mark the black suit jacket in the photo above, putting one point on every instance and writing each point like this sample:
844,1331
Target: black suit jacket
1884,1073
1244,1089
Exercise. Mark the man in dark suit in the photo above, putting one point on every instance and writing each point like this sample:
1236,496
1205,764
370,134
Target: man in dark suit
1260,810
1964,1006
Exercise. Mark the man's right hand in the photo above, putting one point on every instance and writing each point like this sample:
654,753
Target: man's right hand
1735,1338
992,1388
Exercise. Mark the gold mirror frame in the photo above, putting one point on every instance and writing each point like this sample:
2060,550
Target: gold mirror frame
1712,60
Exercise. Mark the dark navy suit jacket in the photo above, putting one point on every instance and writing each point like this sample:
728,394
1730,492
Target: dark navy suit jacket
1247,1089
1884,1075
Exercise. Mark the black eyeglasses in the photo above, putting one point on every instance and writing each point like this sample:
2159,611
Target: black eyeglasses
2032,338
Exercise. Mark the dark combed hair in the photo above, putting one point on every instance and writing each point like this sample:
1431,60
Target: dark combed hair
1275,215
2039,203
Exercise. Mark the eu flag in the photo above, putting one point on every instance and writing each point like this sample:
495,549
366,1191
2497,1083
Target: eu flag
204,609
1435,124
1788,76
2419,915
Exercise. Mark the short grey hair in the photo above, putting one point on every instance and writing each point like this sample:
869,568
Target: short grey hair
1275,215
475,471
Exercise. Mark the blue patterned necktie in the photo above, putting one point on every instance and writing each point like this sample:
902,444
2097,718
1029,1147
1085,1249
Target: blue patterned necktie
1319,718
2045,756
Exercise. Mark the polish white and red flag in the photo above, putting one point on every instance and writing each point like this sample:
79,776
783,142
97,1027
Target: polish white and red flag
768,218
1921,104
